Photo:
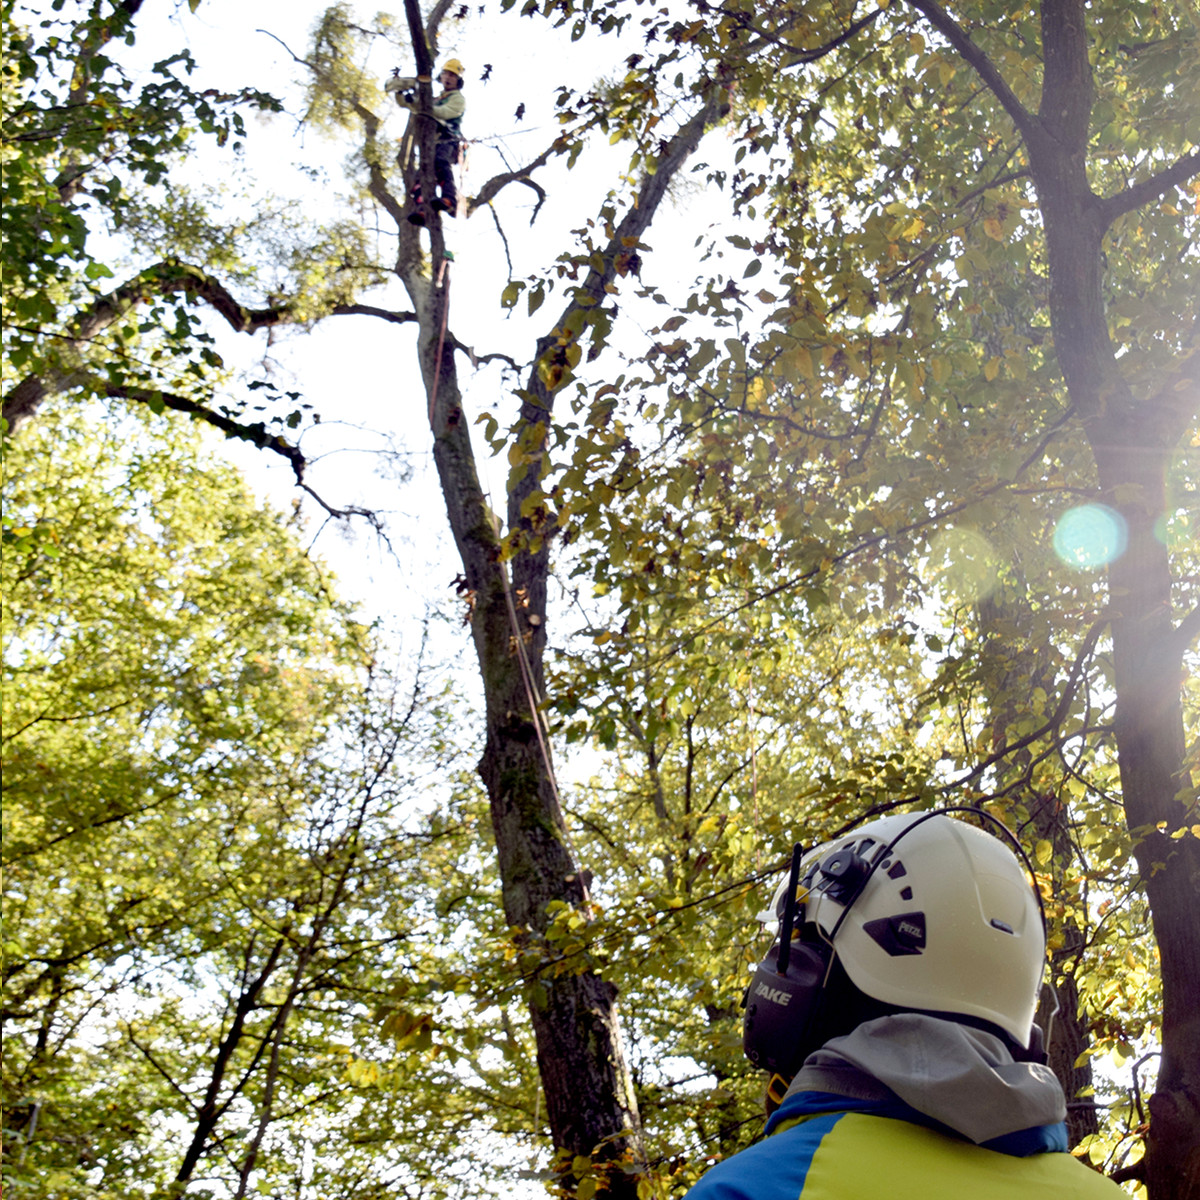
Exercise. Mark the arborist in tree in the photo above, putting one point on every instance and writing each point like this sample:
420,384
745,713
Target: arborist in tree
895,1011
448,110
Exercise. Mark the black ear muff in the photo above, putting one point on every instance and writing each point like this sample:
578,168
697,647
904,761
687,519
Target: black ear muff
785,992
780,1007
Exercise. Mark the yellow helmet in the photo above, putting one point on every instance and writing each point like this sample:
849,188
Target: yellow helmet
452,64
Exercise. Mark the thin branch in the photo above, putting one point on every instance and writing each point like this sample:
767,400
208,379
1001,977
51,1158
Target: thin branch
503,235
1055,719
1138,194
869,543
209,1111
370,310
149,1057
478,360
124,814
497,183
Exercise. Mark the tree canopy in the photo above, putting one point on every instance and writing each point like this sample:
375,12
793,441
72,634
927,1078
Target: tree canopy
892,504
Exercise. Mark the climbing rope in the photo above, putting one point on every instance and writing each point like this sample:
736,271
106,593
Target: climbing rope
443,281
526,668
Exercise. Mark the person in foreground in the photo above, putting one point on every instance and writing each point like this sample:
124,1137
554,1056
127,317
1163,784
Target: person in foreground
895,1010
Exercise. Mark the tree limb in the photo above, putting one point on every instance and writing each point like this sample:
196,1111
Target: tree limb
491,189
1138,194
160,279
256,434
1185,632
1026,122
369,310
439,10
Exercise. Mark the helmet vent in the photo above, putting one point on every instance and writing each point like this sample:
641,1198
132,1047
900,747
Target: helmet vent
1003,926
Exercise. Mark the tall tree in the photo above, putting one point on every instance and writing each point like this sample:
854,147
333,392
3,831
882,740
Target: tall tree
217,856
983,227
589,1101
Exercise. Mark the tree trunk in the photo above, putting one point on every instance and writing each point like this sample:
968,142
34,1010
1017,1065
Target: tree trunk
1131,440
1147,672
590,1102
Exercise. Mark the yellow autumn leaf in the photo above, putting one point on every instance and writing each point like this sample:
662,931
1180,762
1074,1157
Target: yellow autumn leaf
994,229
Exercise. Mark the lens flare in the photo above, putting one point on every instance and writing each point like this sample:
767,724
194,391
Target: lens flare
1090,536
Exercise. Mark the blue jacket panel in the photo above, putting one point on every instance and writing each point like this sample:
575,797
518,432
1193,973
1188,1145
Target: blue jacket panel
825,1147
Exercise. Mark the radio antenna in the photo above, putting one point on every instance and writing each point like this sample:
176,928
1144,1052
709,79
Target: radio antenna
789,912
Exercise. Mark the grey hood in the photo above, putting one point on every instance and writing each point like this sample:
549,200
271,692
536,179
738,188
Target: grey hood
961,1077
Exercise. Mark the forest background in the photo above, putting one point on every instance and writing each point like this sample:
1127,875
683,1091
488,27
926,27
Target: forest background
863,434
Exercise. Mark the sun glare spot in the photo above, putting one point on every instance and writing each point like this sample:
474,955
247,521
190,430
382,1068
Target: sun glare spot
1090,536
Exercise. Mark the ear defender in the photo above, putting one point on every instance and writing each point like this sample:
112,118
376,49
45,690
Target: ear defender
784,994
780,1008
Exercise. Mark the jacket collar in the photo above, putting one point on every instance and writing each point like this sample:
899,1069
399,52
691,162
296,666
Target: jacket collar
935,1073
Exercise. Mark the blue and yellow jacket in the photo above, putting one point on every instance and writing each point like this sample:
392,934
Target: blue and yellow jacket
822,1146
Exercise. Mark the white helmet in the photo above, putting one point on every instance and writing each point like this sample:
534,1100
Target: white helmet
926,912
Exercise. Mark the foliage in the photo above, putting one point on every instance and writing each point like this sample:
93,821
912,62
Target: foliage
221,872
82,140
822,524
878,425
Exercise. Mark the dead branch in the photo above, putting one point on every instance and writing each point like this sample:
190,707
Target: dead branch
497,183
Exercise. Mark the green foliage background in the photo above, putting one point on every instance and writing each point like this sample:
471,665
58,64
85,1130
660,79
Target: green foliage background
253,940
